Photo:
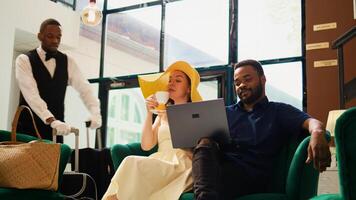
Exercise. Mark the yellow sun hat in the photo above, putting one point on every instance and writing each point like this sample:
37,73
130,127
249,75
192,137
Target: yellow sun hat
152,83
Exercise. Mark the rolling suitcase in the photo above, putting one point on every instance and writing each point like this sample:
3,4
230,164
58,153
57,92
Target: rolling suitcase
76,185
96,162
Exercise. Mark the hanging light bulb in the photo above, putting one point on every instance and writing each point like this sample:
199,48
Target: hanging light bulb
91,15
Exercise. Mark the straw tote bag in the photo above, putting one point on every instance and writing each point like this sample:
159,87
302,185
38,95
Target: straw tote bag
32,165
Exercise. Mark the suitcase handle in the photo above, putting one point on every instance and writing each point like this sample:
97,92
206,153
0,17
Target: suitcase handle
87,125
76,133
98,135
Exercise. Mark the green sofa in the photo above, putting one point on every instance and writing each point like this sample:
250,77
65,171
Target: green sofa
345,141
293,179
34,194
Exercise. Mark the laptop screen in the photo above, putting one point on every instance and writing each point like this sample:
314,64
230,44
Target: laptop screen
192,121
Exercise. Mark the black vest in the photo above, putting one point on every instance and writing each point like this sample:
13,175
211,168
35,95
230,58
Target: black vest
52,89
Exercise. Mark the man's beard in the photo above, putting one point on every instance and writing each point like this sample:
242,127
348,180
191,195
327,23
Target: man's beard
256,93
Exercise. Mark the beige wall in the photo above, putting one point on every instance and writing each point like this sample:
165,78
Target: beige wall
322,83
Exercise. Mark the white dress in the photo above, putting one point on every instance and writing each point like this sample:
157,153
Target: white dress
163,175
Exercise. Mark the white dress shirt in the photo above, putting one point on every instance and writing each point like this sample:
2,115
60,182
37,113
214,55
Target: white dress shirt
28,85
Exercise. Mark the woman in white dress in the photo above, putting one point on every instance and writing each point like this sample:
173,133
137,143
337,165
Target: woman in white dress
165,174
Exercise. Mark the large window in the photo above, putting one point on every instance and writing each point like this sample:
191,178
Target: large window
197,32
87,53
208,89
126,115
282,87
269,29
132,44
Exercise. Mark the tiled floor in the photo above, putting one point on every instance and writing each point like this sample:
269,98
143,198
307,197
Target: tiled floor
328,180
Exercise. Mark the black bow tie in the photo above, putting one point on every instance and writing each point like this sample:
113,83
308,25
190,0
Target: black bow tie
50,55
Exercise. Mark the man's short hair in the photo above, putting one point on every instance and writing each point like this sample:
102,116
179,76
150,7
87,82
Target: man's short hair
254,63
47,22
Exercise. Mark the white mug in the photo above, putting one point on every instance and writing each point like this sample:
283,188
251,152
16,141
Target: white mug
162,98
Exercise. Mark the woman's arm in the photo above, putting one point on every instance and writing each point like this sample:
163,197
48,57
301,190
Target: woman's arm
149,131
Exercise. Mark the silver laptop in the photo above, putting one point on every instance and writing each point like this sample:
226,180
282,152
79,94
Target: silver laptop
191,121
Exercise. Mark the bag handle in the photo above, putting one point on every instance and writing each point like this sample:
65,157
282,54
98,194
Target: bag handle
16,119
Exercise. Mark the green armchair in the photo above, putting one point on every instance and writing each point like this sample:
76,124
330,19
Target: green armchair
345,141
34,194
293,179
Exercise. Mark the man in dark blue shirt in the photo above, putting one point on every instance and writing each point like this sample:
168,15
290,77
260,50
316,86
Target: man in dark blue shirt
258,129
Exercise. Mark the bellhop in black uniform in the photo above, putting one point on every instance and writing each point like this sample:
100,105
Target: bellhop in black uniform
43,75
51,89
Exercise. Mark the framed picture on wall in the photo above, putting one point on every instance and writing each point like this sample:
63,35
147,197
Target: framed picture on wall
354,9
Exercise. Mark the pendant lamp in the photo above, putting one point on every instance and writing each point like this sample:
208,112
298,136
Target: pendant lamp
91,15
